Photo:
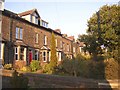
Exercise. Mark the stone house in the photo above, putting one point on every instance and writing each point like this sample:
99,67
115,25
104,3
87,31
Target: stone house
26,37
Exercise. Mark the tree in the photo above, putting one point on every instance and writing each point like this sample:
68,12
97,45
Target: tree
105,33
53,61
91,45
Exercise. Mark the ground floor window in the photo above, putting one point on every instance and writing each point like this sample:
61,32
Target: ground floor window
44,56
48,56
36,55
16,53
59,56
21,53
0,51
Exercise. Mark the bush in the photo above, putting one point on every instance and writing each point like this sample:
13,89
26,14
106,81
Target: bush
19,64
96,69
111,69
48,69
26,69
19,81
35,65
74,67
8,66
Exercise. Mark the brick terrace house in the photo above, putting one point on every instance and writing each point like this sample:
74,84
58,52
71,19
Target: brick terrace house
26,37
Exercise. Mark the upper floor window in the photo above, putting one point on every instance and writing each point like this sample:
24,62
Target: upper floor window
19,33
68,48
36,38
61,44
73,49
44,24
45,40
31,18
36,20
64,48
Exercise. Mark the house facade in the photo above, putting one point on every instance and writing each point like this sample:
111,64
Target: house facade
26,37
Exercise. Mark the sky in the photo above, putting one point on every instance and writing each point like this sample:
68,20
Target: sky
69,16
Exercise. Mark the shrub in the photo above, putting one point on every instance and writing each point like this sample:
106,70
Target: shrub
111,69
96,69
8,66
18,80
26,69
19,64
48,69
35,65
74,67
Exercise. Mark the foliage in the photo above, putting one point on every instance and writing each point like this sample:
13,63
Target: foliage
8,66
53,59
48,69
19,64
111,69
96,70
103,31
35,65
26,69
19,81
74,67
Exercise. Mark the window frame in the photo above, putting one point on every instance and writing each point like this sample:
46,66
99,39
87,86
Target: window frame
45,40
74,50
36,37
44,56
36,55
22,53
19,33
16,53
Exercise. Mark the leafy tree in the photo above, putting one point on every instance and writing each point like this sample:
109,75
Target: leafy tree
103,31
53,61
91,45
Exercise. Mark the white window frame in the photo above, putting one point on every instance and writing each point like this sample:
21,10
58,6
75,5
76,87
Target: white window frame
22,53
68,48
19,33
37,54
61,44
74,49
36,38
16,53
0,50
44,57
45,40
36,20
59,56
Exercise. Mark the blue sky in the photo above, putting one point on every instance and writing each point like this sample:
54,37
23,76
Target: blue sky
70,17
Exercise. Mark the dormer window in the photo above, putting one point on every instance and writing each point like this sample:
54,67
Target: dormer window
36,20
44,24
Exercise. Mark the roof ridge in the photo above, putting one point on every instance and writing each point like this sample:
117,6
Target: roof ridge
27,12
